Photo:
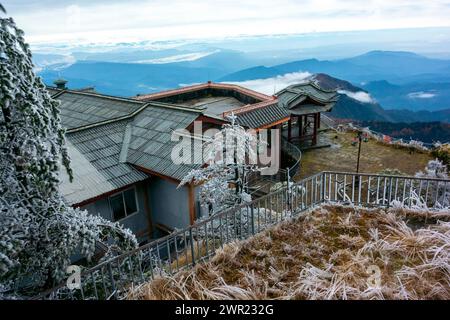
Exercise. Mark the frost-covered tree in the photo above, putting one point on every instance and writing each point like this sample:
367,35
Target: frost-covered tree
38,232
435,169
230,157
440,191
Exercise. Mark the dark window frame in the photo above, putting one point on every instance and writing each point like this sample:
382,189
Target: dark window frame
122,194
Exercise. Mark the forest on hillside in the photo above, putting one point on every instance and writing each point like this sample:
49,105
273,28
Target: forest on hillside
424,131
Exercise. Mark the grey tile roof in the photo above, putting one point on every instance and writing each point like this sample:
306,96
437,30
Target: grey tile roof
150,145
303,90
106,153
79,109
95,162
88,182
306,98
260,117
52,91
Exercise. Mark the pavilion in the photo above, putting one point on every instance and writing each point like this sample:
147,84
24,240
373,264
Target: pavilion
295,110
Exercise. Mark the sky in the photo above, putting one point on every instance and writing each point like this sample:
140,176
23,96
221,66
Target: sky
113,21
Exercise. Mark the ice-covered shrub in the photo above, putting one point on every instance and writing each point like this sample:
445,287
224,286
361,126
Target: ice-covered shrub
38,232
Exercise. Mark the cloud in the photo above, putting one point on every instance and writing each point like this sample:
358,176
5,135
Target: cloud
421,95
178,58
64,61
109,21
270,86
360,96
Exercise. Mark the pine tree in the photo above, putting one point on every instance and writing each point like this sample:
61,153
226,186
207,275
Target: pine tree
38,232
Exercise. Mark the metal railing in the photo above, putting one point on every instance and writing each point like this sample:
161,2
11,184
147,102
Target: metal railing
283,175
381,190
183,249
326,120
295,153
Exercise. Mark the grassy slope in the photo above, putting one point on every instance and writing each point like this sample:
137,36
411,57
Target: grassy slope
374,157
327,254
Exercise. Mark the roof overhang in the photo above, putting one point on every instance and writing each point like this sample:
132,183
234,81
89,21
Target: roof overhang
310,109
209,85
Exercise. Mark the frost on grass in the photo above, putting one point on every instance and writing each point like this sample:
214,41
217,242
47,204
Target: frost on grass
334,252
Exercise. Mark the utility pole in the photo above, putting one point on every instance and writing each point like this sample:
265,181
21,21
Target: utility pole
361,137
359,151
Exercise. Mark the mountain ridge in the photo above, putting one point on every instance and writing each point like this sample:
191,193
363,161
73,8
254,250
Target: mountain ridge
350,108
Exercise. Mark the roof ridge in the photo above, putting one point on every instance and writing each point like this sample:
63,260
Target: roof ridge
250,107
108,121
133,114
101,95
251,92
309,82
125,143
209,84
175,106
171,91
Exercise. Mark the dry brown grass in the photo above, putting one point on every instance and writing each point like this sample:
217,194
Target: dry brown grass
326,254
375,156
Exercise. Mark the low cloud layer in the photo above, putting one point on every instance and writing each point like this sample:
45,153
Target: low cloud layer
421,95
178,58
360,96
270,86
108,21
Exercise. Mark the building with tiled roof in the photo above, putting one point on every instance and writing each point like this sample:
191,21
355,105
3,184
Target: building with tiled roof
120,153
121,148
297,107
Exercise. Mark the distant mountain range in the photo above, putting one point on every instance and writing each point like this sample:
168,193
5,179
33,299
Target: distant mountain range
143,72
394,66
128,79
378,85
397,80
425,126
413,96
349,107
428,132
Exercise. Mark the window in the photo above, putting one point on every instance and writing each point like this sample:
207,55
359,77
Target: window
123,204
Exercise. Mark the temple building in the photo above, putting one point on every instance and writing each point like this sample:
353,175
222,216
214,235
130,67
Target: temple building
121,147
295,110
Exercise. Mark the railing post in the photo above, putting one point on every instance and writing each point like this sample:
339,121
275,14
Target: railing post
288,190
322,191
113,283
389,193
191,240
252,214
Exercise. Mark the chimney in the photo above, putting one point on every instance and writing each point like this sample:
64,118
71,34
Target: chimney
60,83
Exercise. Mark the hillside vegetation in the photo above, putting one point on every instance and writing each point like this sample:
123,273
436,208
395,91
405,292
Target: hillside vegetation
427,132
375,156
333,252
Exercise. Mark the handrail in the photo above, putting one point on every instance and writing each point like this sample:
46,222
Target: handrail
385,176
184,248
294,152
